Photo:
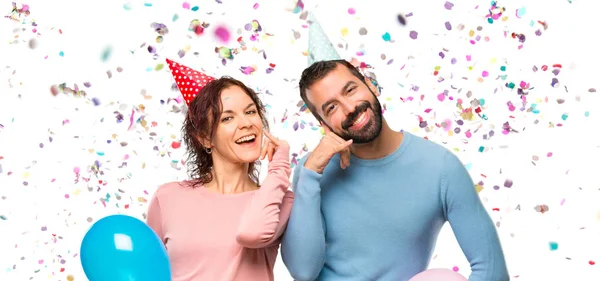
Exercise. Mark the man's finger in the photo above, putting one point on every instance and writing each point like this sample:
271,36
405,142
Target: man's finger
346,156
343,145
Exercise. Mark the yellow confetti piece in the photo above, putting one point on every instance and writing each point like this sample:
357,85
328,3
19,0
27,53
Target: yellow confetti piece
142,200
91,150
344,31
114,136
25,175
504,18
144,165
77,191
493,60
478,188
70,278
471,33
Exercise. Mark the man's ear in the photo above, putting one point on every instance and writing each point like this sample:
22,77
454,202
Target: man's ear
373,85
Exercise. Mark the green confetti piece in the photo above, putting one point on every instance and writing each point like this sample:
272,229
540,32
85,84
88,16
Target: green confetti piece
106,54
159,66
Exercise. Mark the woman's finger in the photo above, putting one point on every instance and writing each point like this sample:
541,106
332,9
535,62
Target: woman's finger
263,150
271,138
271,151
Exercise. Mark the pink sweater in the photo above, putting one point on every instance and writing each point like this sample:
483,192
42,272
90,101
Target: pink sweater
212,236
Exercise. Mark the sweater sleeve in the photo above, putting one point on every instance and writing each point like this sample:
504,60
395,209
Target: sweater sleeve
266,216
471,224
303,245
154,217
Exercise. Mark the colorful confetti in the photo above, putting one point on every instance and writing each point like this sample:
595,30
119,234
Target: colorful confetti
509,87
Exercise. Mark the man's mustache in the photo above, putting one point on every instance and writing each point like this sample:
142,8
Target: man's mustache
354,115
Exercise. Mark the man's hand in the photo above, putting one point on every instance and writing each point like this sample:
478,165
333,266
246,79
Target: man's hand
270,146
330,145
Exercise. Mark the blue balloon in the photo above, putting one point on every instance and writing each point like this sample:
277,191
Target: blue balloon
123,248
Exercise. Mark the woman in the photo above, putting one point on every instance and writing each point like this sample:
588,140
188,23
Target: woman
223,225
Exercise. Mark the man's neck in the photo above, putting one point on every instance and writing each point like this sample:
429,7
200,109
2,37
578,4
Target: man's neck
385,144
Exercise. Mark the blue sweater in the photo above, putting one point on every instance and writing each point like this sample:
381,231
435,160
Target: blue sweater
380,219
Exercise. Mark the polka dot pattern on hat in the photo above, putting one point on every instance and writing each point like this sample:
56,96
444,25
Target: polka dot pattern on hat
319,46
189,81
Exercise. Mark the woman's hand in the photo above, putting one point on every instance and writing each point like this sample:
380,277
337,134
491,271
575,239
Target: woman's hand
270,146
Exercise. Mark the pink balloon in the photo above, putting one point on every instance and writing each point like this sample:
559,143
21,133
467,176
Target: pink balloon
438,274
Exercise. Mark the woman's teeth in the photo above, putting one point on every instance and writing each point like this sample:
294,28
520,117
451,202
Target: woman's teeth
245,139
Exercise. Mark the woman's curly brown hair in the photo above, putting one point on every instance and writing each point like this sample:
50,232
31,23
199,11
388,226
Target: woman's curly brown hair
198,124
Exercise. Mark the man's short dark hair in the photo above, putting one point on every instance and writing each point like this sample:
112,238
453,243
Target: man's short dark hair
318,71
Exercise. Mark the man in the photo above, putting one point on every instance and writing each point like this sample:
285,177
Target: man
370,201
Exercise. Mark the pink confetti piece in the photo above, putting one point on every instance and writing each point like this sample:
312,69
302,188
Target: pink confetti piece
131,120
186,5
255,6
222,34
351,11
441,97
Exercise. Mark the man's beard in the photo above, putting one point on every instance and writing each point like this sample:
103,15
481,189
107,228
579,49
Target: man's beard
369,131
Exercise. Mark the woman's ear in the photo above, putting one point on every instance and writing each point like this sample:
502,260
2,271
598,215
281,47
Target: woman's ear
204,142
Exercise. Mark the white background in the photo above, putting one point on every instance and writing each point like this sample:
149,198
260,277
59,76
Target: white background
41,229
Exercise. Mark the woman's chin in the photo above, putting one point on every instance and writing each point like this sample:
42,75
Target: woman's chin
250,157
